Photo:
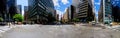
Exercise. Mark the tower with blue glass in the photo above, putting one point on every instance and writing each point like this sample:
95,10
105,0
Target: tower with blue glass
105,12
116,10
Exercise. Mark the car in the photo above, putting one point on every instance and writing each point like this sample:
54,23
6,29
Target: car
3,23
93,23
111,24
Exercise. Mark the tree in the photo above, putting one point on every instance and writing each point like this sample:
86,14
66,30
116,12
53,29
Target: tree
1,19
89,19
76,20
18,17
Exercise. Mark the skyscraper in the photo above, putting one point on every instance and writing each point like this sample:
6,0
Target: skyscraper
11,10
66,15
105,12
7,9
71,13
84,10
116,10
26,13
19,9
3,8
39,10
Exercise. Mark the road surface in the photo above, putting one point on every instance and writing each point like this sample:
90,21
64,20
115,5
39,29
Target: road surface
57,31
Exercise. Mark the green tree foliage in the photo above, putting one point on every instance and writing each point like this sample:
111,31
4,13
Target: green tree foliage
18,17
1,19
89,19
76,20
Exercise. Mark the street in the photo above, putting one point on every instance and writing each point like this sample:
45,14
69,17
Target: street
59,31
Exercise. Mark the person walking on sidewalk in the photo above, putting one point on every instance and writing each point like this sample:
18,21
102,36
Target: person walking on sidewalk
9,24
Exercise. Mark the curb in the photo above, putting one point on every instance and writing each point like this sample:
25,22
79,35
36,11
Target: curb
7,28
113,28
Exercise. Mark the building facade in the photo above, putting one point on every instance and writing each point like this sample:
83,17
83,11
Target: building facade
65,18
11,10
39,10
84,10
3,8
105,12
71,13
57,17
116,10
19,9
8,9
25,13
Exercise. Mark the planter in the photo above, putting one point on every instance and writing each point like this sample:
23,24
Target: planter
19,23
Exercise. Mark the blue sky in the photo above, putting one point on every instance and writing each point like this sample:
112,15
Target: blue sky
23,3
63,5
60,5
116,2
97,6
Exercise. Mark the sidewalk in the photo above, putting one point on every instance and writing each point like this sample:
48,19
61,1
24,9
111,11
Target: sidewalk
3,29
116,27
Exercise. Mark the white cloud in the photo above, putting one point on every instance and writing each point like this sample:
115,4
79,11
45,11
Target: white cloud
65,1
98,3
22,12
56,3
59,12
65,9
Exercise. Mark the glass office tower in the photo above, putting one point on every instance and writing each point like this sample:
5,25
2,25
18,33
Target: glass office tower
3,8
7,9
11,10
19,9
105,12
116,10
38,10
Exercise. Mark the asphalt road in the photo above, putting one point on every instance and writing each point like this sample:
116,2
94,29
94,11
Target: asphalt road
60,31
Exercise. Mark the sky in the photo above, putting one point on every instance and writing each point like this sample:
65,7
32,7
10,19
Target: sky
116,2
23,3
97,7
60,5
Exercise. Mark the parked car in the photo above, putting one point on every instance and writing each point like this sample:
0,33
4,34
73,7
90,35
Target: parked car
93,23
3,23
